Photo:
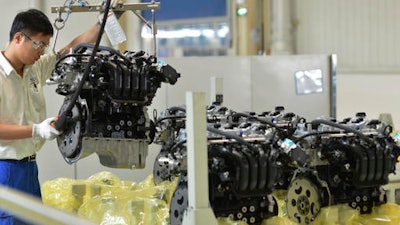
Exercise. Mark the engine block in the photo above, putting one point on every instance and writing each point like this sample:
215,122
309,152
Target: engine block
244,160
109,117
347,162
318,163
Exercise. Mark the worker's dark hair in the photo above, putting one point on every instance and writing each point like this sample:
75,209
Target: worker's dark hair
31,22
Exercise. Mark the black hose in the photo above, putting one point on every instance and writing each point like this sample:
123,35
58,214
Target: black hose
169,118
177,108
217,131
112,51
272,124
231,136
316,133
67,56
343,127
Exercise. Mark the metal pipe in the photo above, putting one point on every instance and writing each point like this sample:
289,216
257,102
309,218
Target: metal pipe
32,210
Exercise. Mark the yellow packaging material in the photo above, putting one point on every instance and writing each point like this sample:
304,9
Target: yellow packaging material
387,214
277,220
58,193
113,211
106,200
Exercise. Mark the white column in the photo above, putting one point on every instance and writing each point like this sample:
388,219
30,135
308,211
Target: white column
281,28
198,211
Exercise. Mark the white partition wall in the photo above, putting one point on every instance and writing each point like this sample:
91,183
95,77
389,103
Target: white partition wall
283,81
259,83
196,74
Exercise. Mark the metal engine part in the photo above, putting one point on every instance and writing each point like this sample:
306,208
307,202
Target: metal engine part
243,160
171,135
179,203
319,163
110,115
303,200
347,162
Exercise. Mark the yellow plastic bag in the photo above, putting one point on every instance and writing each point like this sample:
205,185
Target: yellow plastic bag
104,199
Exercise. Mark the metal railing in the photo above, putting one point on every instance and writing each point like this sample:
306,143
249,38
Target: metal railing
30,209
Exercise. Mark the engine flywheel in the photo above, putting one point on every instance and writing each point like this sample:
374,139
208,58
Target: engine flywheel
179,204
303,200
70,141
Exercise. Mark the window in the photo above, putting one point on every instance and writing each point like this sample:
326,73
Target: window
183,29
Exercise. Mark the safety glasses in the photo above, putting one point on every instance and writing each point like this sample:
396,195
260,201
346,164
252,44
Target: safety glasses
36,45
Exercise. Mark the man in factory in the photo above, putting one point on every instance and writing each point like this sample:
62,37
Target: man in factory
24,69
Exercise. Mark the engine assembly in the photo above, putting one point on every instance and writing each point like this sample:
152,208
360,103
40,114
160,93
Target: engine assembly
317,163
109,117
244,161
347,162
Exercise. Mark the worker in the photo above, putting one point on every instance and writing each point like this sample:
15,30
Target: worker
24,69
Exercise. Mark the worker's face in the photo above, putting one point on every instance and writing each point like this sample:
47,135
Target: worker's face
33,46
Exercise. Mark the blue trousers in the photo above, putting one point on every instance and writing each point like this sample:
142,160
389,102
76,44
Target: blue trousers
22,176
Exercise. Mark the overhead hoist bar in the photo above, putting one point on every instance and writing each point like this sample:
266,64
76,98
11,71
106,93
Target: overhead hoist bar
120,7
99,8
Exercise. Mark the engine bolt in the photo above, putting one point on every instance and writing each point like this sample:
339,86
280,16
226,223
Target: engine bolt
252,220
116,104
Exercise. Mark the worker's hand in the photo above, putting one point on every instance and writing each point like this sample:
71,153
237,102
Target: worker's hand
45,129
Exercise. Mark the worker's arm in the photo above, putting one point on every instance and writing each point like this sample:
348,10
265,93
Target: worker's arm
12,132
89,36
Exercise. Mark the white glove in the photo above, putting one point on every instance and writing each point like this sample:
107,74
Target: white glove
45,130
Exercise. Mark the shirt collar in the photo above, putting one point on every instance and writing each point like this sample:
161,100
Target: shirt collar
5,64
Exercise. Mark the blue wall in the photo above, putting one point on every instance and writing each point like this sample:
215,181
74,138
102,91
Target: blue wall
188,9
